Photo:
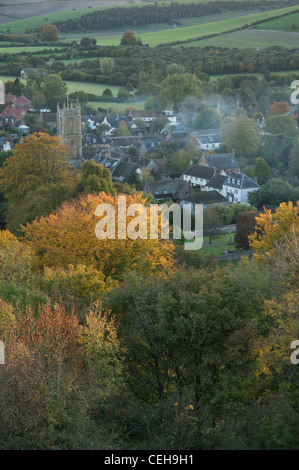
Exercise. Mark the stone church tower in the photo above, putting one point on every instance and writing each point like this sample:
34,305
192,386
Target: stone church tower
69,130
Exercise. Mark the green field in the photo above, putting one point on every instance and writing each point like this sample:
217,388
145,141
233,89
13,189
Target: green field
151,28
170,35
250,38
117,106
282,24
203,27
92,88
28,8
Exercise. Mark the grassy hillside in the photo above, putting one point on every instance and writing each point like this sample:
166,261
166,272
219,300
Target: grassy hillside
282,24
19,26
250,38
181,34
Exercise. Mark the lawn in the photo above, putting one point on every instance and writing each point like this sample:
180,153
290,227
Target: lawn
218,246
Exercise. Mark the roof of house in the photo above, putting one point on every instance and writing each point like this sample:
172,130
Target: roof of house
89,153
141,161
206,197
205,132
11,111
162,165
210,139
239,180
199,171
9,98
221,160
166,188
146,113
216,181
124,169
49,118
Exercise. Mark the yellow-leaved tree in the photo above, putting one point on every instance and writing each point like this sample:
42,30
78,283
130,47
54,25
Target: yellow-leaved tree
273,230
40,160
67,237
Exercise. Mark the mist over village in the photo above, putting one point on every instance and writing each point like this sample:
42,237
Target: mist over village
149,227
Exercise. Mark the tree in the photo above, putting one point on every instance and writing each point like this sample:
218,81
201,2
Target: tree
171,69
277,108
50,33
177,87
261,171
122,130
71,240
54,89
273,349
294,159
107,65
211,224
241,135
179,161
128,39
245,225
40,202
208,118
272,193
107,93
94,179
40,160
272,228
278,138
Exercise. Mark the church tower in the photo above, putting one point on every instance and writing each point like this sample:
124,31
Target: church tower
69,130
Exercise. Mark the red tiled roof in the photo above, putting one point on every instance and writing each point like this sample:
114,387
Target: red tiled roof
23,99
11,111
10,98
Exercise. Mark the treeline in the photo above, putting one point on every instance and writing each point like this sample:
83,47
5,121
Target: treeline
204,62
140,16
23,38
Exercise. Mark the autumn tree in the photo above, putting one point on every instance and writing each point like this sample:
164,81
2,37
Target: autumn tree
67,237
50,33
129,39
273,228
40,160
279,108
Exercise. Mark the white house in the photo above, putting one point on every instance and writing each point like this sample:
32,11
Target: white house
198,175
237,186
